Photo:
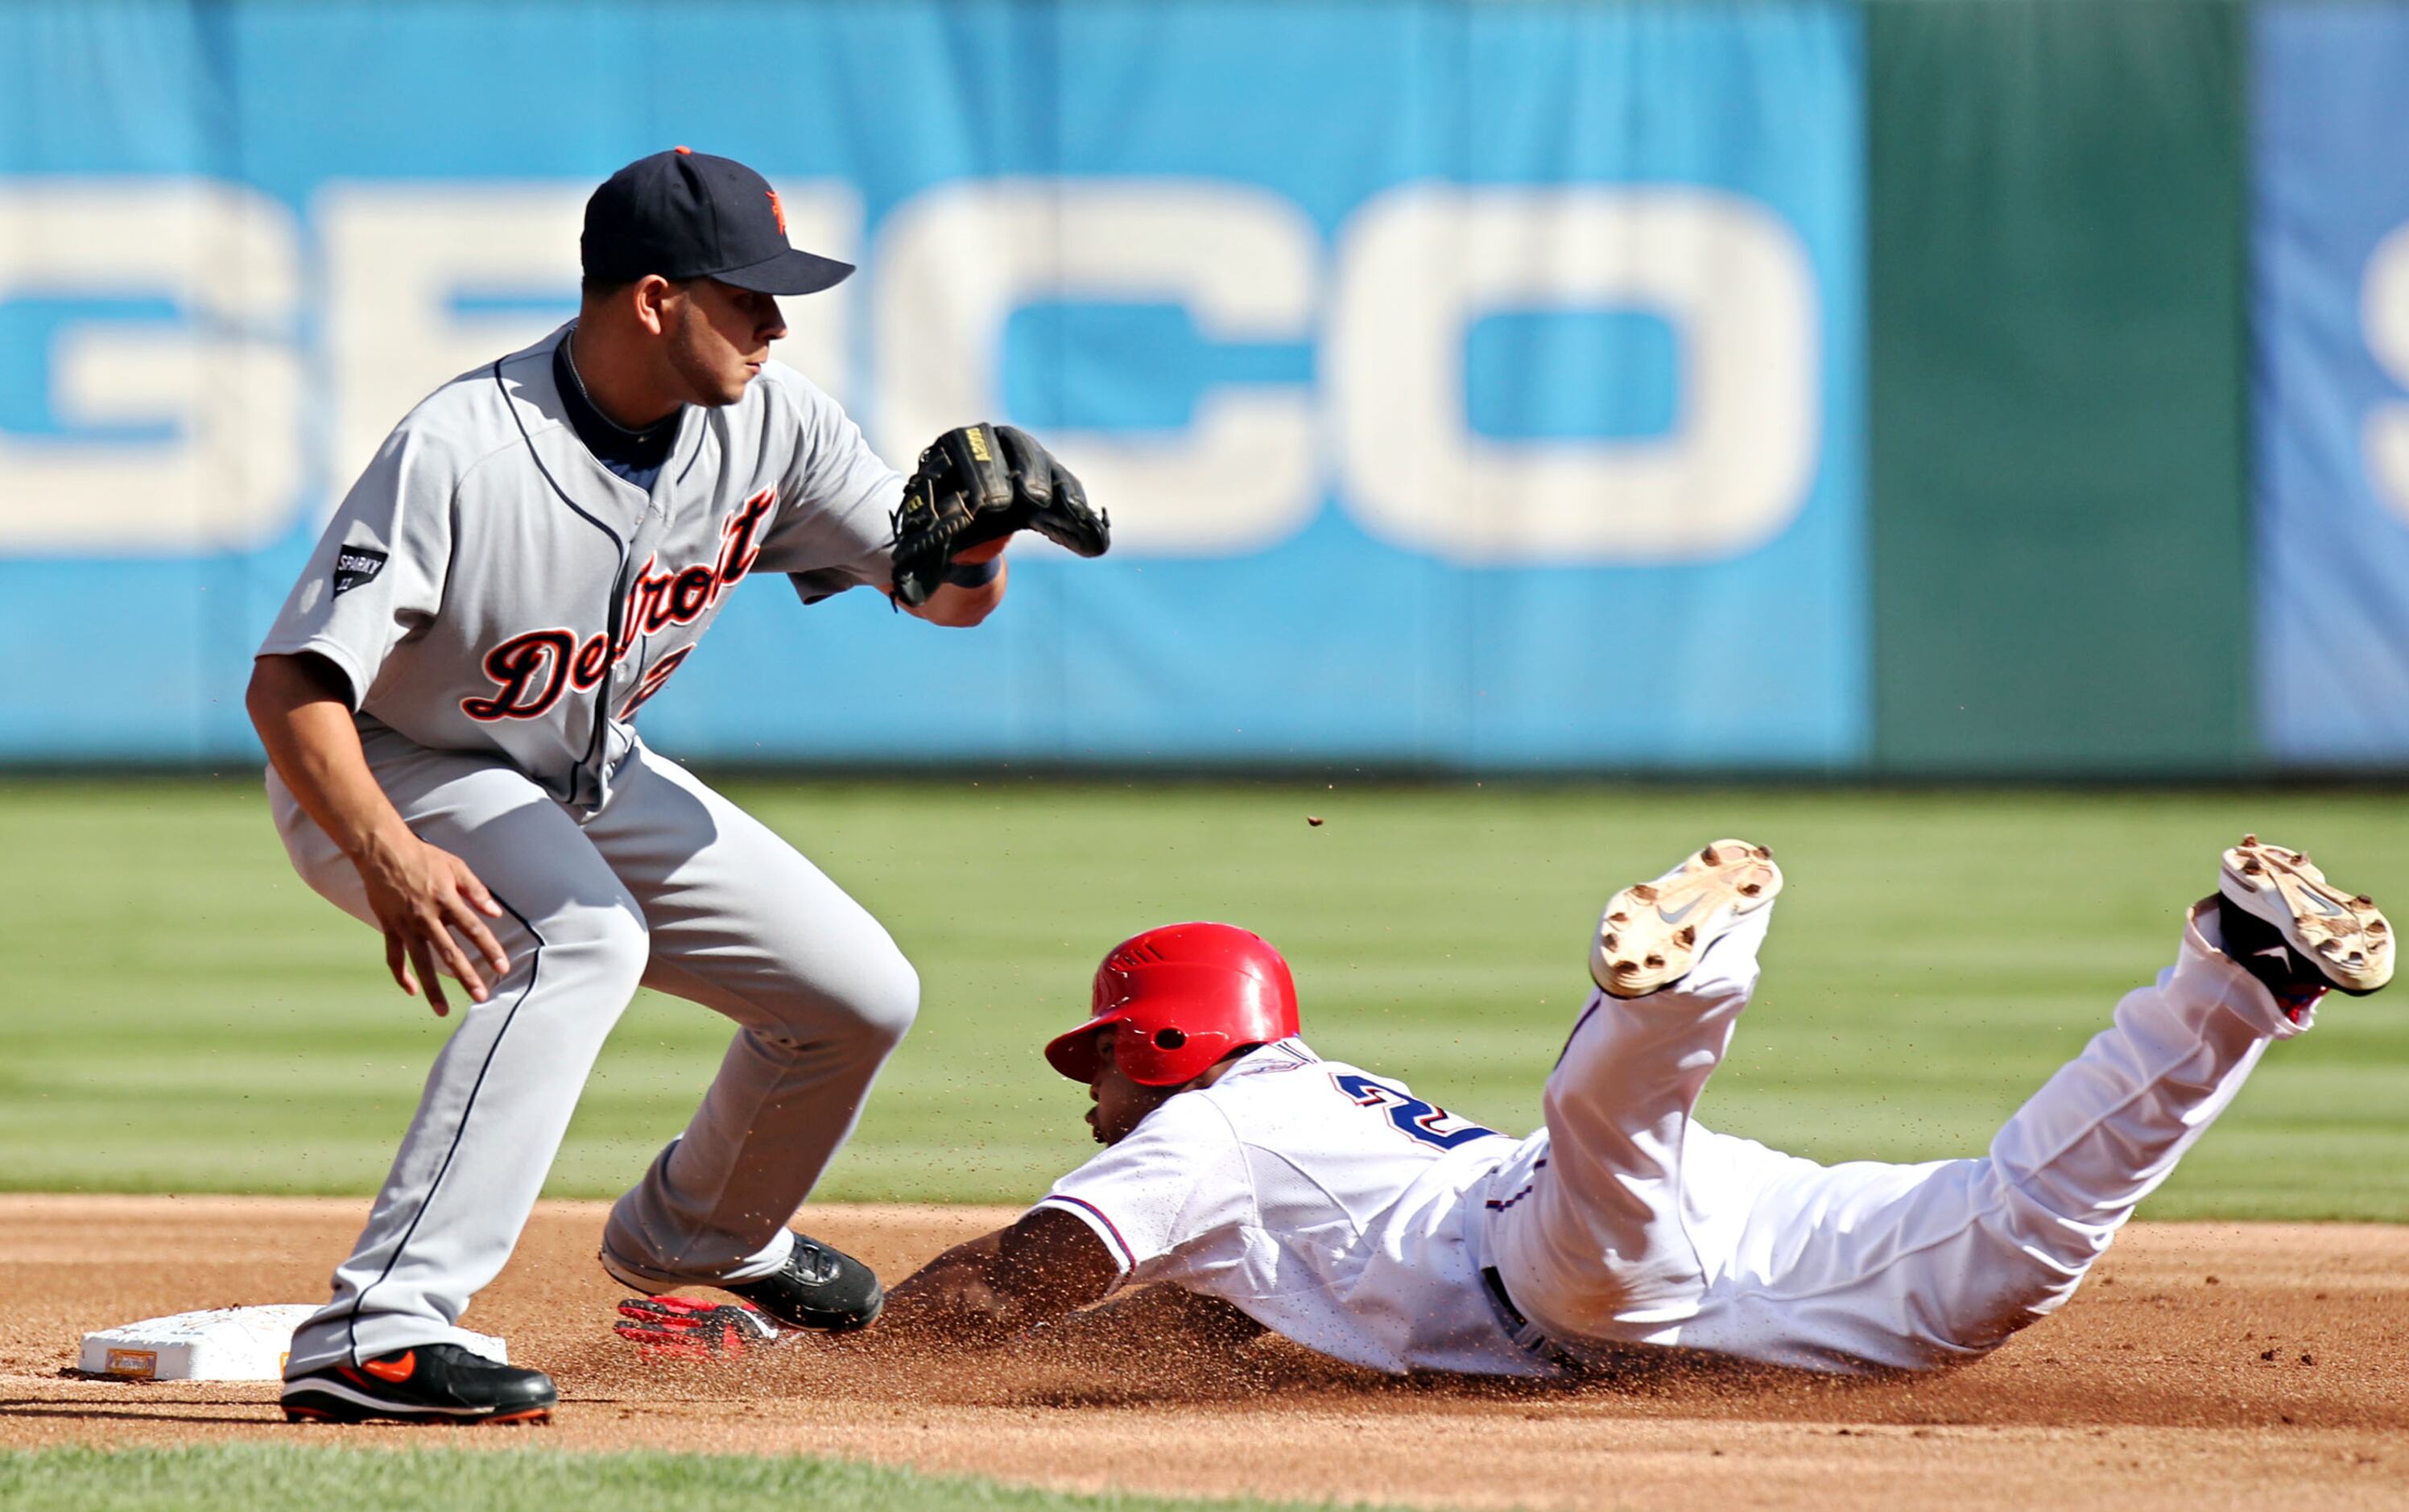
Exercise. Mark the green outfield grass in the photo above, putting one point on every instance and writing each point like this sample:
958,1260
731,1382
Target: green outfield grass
184,1015
239,1478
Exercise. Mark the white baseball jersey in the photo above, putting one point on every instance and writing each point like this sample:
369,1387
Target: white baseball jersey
489,587
1329,1205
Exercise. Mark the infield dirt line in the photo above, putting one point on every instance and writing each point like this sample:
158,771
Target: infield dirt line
2204,1366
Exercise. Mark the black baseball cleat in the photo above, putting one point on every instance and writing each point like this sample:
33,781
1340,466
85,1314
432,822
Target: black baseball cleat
820,1286
430,1383
2294,930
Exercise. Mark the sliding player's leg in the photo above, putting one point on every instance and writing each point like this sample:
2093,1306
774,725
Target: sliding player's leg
1594,1231
1919,1267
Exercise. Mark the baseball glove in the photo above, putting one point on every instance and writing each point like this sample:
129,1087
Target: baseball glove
681,1328
976,484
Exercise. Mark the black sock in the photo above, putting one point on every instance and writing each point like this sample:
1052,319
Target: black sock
2257,947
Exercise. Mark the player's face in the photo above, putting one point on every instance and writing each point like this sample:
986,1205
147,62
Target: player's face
1120,1102
719,336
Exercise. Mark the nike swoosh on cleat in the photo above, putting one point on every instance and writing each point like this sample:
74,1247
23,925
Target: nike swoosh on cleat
1677,916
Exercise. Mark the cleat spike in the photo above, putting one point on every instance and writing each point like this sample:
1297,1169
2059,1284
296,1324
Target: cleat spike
1749,889
2363,899
1643,892
2250,866
2250,839
1655,962
1764,853
1710,855
1618,916
1609,941
1686,936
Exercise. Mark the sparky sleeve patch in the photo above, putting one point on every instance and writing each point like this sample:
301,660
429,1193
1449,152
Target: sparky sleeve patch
355,566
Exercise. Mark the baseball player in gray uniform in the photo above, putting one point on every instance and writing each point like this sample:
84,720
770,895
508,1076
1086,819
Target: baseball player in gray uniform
448,701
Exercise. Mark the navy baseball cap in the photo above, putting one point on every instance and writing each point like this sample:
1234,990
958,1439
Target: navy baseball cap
685,214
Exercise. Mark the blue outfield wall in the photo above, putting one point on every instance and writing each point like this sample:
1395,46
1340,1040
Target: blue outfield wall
1472,386
2330,241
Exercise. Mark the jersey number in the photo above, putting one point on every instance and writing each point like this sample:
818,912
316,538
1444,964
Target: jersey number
1416,1120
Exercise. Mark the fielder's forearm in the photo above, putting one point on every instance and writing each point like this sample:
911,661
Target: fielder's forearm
306,725
959,608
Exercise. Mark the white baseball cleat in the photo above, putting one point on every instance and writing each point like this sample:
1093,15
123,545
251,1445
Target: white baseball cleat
1653,933
2343,938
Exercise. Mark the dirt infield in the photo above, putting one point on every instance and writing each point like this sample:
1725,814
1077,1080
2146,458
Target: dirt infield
2204,1366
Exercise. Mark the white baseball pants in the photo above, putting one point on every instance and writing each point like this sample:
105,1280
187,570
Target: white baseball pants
670,886
1627,1222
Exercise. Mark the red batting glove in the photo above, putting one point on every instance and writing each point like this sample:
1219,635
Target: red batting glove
681,1328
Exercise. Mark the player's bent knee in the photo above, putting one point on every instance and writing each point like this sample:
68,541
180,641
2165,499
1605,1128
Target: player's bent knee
868,1010
2017,1265
604,948
887,1003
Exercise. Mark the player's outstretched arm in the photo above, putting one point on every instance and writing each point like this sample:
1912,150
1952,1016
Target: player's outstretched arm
1001,1284
1144,1319
420,894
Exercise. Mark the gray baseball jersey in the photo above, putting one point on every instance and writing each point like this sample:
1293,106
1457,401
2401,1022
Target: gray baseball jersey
488,585
502,602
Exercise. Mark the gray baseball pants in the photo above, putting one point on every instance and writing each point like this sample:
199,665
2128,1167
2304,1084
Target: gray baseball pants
670,886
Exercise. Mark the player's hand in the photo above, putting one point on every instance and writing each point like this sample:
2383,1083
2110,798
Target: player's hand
682,1328
976,484
422,896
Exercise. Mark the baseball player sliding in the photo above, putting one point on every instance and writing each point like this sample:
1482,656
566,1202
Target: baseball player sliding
1335,1207
449,699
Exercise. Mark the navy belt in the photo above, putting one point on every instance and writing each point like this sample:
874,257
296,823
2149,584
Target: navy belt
1527,1336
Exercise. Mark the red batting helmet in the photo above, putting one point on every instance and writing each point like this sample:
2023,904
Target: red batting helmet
1185,995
